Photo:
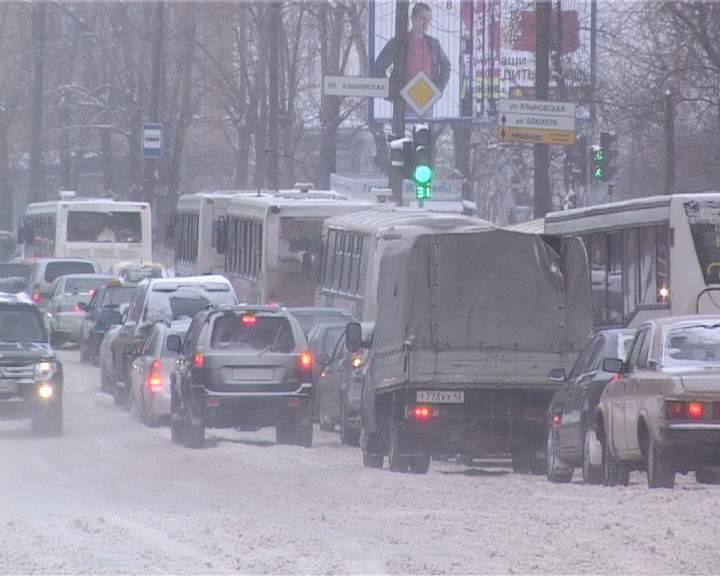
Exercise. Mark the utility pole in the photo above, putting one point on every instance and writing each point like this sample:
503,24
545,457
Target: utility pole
669,143
589,197
37,163
399,73
274,25
150,164
542,203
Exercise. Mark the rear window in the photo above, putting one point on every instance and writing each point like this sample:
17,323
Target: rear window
56,269
309,321
20,324
184,302
117,296
83,285
104,227
15,271
263,333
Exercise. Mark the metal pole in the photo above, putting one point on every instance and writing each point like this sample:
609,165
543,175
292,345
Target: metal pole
542,202
398,75
589,197
150,165
669,143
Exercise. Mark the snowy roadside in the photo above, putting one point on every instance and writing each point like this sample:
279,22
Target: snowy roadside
112,496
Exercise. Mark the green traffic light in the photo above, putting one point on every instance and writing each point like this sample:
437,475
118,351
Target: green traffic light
423,174
599,173
599,155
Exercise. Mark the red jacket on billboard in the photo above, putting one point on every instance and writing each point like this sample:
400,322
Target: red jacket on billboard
524,32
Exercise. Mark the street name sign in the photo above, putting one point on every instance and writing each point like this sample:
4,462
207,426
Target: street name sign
536,121
356,86
152,140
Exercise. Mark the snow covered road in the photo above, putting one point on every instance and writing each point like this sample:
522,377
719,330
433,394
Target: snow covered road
112,496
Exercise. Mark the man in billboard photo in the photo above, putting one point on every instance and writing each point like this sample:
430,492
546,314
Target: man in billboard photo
424,54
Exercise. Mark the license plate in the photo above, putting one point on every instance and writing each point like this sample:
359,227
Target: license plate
254,374
441,396
8,387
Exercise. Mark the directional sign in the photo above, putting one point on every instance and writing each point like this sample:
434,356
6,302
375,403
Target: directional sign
536,121
421,93
356,86
152,140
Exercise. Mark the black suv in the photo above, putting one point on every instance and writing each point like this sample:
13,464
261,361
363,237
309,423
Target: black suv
242,367
31,376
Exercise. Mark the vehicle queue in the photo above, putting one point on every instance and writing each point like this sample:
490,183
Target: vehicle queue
223,350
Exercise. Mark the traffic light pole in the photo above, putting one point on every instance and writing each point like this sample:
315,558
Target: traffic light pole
399,73
542,203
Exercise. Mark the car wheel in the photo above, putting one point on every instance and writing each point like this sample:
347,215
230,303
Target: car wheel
193,432
120,397
398,461
177,427
370,459
48,420
348,435
614,472
419,464
660,473
557,471
706,475
284,433
84,353
147,412
132,404
590,474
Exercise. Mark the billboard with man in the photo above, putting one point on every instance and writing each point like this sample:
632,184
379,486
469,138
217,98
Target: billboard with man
439,48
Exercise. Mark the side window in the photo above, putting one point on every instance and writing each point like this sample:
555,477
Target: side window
339,347
137,304
635,350
192,335
577,368
645,351
149,344
596,356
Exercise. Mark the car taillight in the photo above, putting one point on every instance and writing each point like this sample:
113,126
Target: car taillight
77,308
155,376
249,319
421,412
306,360
199,360
679,410
557,419
36,295
695,409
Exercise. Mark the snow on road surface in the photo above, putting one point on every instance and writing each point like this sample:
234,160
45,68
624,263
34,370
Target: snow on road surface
112,496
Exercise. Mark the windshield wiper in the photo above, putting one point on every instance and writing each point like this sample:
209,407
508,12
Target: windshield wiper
277,335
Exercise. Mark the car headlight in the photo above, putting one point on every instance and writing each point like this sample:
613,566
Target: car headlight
45,370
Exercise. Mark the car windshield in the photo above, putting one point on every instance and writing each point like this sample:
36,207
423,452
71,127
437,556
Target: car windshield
252,333
117,296
104,227
695,344
54,270
83,285
20,324
184,302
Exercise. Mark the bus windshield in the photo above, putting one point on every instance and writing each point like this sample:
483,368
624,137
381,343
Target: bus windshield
104,227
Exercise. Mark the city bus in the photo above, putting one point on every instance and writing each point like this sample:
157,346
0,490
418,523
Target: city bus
274,242
199,230
648,257
354,242
103,230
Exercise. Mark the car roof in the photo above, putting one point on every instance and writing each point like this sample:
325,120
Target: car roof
318,310
51,260
185,280
85,276
692,318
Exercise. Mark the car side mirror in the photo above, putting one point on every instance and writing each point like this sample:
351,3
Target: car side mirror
613,365
353,336
557,375
174,343
110,317
323,359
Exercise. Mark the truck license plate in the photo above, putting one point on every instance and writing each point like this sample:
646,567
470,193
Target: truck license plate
441,396
8,387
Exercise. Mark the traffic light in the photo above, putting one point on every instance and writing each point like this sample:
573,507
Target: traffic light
422,172
607,143
597,155
401,156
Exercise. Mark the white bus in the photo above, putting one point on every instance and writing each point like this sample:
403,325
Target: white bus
649,257
199,229
274,243
103,230
353,244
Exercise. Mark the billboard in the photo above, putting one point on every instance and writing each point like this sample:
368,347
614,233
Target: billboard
504,57
440,45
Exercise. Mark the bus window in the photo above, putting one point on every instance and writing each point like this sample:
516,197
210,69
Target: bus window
103,227
614,279
663,264
597,248
631,272
647,258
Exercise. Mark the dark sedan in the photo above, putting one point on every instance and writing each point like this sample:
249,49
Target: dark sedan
571,439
